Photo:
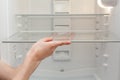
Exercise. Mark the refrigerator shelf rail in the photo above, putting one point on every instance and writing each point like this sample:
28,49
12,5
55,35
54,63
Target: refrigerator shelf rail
75,36
72,41
61,15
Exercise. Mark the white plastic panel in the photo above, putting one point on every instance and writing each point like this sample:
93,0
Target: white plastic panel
33,6
70,6
39,24
80,23
40,6
80,7
61,6
62,54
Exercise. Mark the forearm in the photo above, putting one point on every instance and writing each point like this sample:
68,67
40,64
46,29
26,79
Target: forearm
26,69
36,54
6,71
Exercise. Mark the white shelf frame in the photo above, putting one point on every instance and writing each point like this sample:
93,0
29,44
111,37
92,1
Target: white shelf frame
115,39
61,15
52,31
72,41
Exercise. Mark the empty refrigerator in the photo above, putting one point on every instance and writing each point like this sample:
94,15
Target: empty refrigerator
94,32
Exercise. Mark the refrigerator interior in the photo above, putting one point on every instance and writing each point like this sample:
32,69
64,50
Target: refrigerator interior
95,50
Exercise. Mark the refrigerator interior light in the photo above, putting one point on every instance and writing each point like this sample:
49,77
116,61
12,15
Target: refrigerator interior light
107,3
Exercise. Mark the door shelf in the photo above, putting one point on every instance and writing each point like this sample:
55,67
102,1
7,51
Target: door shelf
75,36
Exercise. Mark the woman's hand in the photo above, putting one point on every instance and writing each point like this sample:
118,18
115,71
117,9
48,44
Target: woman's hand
36,54
44,48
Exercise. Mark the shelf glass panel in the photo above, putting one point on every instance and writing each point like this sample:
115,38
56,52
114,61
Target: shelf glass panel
62,15
87,36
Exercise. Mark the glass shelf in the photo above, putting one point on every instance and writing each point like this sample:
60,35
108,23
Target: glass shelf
62,15
87,36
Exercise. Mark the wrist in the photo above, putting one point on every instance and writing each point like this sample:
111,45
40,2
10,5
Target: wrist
34,56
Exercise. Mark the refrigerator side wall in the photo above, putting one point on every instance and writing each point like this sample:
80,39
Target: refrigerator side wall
115,59
3,22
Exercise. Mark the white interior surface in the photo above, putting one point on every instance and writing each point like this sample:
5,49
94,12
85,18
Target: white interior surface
87,61
115,27
38,7
85,9
3,23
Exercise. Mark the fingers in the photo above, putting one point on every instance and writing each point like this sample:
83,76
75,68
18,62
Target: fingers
59,43
47,39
